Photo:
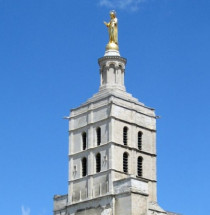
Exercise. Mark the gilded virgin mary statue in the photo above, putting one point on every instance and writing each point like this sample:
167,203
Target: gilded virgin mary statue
113,32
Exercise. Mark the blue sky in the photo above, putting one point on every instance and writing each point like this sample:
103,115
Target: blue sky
48,64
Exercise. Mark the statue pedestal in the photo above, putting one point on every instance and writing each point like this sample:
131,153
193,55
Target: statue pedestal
112,52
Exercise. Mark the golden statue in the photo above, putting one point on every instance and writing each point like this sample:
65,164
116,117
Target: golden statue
113,31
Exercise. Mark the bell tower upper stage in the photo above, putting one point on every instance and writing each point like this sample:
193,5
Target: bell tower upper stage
112,70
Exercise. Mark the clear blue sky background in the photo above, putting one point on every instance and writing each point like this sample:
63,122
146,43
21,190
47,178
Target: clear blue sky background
48,64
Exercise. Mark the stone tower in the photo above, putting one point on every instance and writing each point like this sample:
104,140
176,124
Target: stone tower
112,151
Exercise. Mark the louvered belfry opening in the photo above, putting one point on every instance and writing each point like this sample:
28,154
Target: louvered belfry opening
98,162
125,162
84,167
139,167
84,140
140,140
98,134
125,136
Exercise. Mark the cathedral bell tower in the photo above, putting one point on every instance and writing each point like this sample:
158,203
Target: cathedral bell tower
112,147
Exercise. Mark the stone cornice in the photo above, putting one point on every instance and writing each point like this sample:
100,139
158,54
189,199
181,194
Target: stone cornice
116,144
108,103
113,117
135,149
105,58
135,124
108,96
108,171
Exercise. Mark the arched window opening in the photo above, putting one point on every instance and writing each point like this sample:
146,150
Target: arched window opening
84,140
140,140
139,166
84,167
98,134
104,75
125,136
125,162
98,162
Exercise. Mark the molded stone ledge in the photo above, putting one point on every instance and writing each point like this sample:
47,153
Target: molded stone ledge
155,209
131,185
172,213
60,201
